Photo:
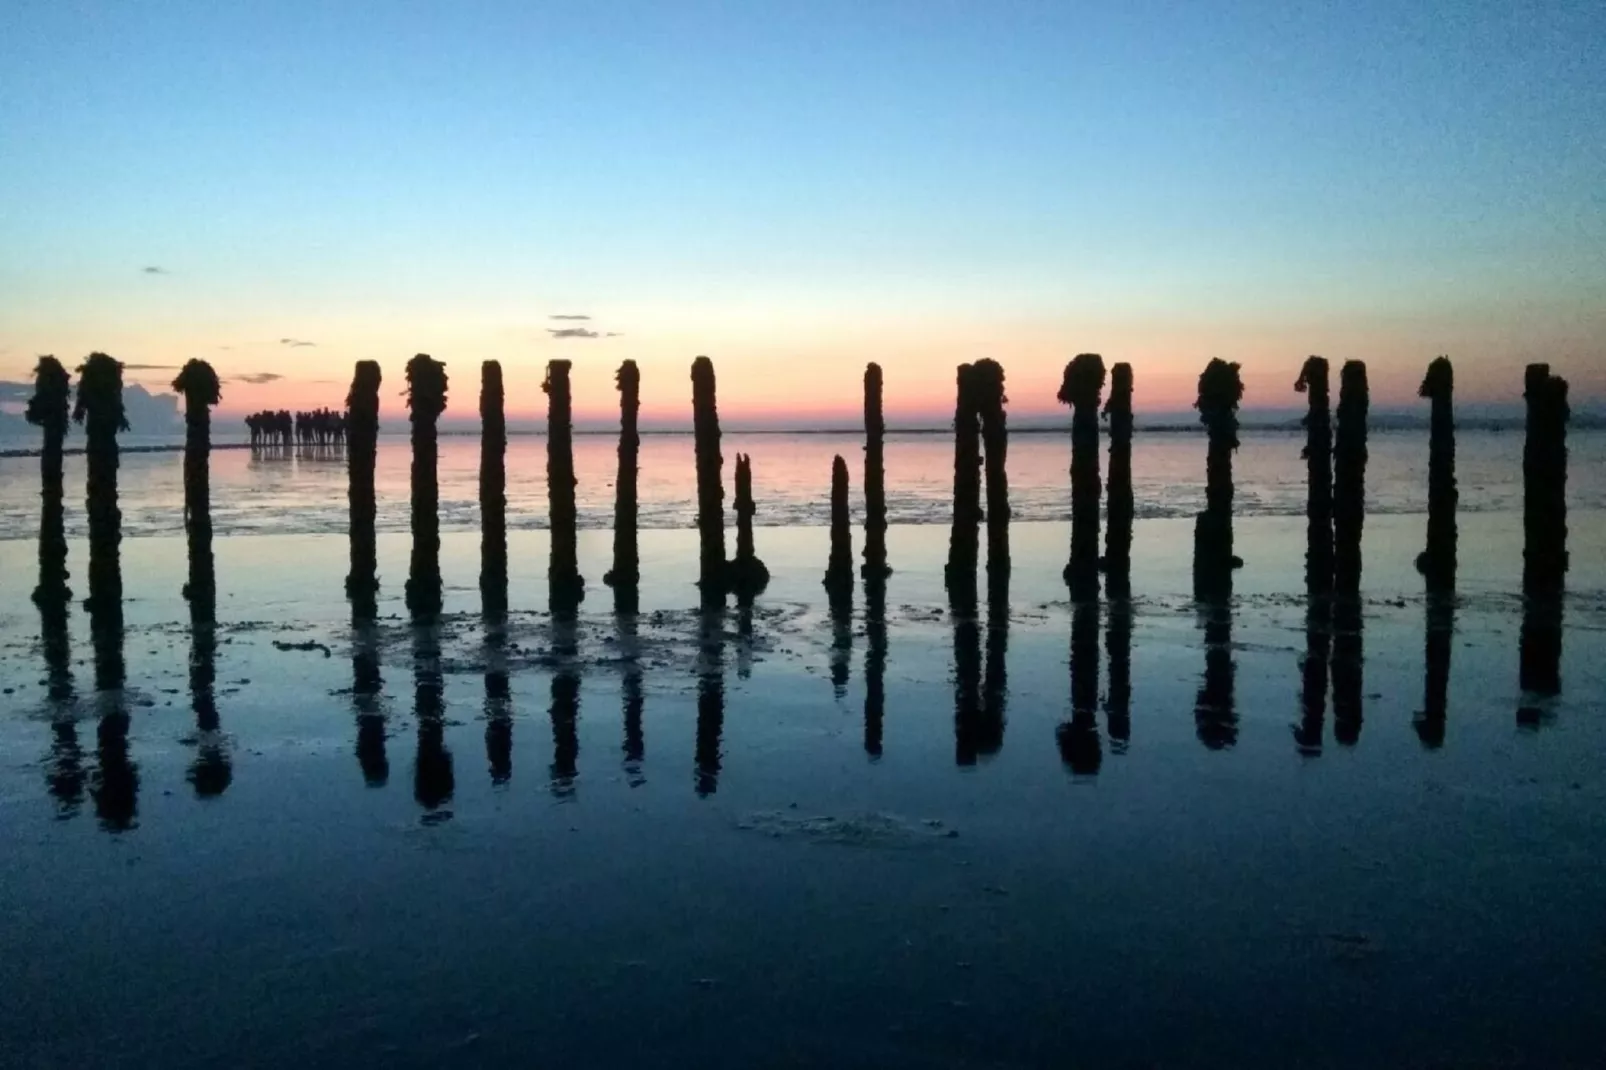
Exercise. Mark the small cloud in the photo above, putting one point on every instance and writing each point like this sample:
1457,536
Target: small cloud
613,334
568,317
295,343
150,367
572,332
258,378
153,269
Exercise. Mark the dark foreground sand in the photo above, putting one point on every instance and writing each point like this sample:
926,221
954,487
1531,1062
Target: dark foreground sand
693,842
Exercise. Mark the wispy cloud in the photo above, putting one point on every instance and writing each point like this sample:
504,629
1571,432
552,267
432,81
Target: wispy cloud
258,378
296,343
150,367
568,316
614,334
572,332
153,269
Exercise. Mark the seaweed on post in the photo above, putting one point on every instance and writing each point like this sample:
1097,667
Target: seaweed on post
493,493
426,400
1220,392
1081,388
99,408
200,388
875,479
710,484
1314,381
1117,561
625,576
49,410
1349,479
362,405
1437,563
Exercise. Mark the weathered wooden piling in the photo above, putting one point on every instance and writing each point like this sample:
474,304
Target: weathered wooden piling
433,779
960,572
99,407
1544,472
748,576
1437,563
1117,562
875,479
1349,481
1314,382
1215,709
1220,391
565,586
988,376
839,570
710,484
1081,389
1078,739
625,575
50,410
198,384
493,492
426,400
362,446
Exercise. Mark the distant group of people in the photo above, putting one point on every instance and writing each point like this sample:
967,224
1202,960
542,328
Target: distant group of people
320,427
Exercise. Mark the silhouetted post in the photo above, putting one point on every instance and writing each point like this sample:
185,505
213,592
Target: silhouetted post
1437,562
988,376
1079,745
1215,710
362,438
1349,481
48,410
565,586
960,573
99,407
1118,699
875,662
199,385
748,575
1117,561
710,484
493,492
426,400
1082,386
1313,381
1436,669
625,575
710,699
875,479
1313,667
433,779
839,572
1220,391
1544,470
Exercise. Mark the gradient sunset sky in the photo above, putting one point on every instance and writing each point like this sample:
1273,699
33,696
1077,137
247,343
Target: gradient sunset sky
795,188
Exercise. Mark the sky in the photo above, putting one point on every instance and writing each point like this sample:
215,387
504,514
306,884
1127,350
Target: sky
794,189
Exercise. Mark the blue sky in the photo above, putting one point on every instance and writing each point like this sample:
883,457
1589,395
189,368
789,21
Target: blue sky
797,188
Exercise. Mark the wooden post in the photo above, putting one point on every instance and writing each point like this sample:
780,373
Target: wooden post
362,404
839,571
199,385
426,400
49,410
1438,562
710,484
1081,388
1117,561
1313,381
565,585
625,576
747,574
988,377
1544,464
99,407
1349,479
960,573
875,479
1220,391
493,493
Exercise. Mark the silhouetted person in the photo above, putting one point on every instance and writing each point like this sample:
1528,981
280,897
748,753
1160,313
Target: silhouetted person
49,410
498,704
493,493
366,684
1118,699
748,575
710,484
1117,562
960,572
625,576
362,582
1313,381
565,708
426,400
1349,662
710,699
99,407
988,376
1220,391
199,386
1438,562
875,478
1078,739
839,571
633,699
1313,671
1349,482
565,586
875,661
1544,477
1436,669
1215,710
433,781
969,731
1081,389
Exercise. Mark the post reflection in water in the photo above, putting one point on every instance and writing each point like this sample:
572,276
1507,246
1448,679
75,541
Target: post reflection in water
710,698
1080,747
1348,670
213,770
565,708
995,676
366,684
114,786
875,662
498,695
433,780
1436,669
744,635
1540,668
841,611
968,730
632,699
1313,668
64,768
1215,710
1118,700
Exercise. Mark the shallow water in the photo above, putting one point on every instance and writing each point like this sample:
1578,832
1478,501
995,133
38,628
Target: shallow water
302,492
1058,839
